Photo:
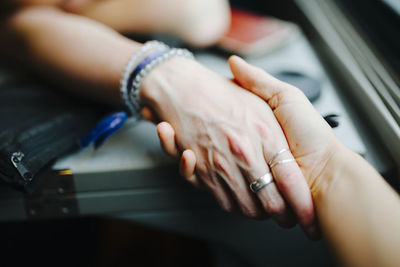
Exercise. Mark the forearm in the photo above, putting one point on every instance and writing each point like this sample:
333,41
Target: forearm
359,213
79,54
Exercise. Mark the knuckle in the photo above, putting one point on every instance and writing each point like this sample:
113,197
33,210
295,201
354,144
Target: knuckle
237,148
263,131
252,213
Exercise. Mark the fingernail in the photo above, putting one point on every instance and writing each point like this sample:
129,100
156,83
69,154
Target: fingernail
313,232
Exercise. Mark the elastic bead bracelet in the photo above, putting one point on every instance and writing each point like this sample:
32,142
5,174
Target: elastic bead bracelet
147,60
128,69
145,66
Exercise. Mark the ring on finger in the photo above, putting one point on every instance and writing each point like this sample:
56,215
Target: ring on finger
270,162
261,182
281,162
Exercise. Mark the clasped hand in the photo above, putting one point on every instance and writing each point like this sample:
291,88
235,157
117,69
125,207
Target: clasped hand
228,136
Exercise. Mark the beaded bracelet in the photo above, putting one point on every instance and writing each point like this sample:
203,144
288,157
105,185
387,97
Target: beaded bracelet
147,60
128,69
144,67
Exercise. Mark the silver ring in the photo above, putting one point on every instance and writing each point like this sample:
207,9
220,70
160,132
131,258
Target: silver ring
261,182
281,162
277,154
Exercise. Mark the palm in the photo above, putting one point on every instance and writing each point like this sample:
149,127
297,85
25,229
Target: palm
309,136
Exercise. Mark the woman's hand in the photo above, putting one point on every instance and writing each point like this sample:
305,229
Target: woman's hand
310,138
229,134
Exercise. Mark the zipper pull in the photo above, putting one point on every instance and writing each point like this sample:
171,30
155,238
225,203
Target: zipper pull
16,159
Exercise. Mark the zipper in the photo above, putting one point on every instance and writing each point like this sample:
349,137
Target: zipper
35,149
16,159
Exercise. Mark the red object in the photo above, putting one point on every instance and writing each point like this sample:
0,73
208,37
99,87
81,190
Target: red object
251,34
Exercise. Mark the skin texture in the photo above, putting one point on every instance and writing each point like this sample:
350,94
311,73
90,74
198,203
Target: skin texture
232,142
289,178
232,132
358,212
312,146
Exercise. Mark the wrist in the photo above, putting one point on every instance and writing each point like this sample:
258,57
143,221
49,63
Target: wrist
338,168
165,84
140,66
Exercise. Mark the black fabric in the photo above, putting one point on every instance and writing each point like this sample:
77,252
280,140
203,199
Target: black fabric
39,122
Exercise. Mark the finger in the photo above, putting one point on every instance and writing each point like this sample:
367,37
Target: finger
167,139
149,115
187,164
187,167
256,80
293,186
253,166
275,92
219,190
239,189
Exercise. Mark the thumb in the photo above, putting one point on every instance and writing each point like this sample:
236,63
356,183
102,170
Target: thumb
255,79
